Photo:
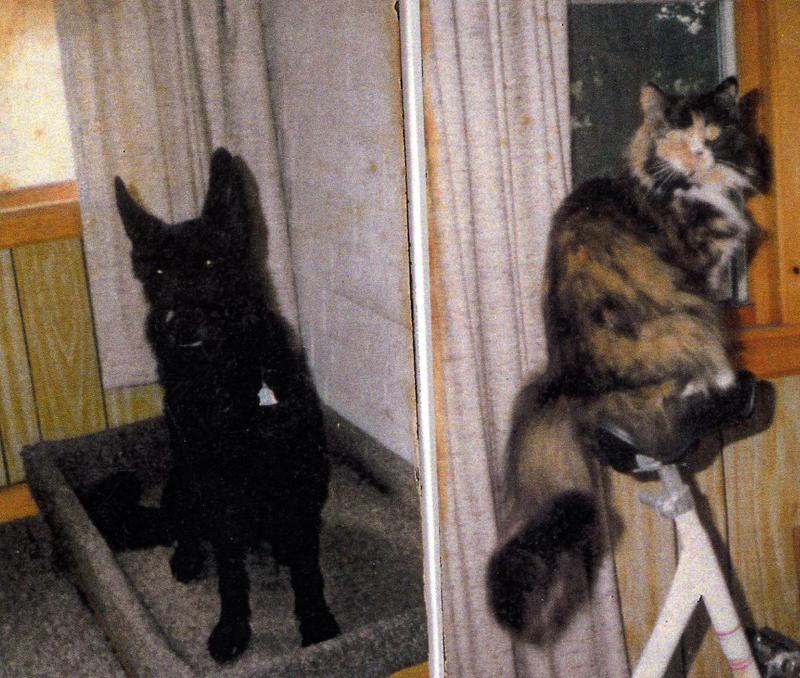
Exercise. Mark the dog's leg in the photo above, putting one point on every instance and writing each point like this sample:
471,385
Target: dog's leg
180,507
232,633
186,562
316,621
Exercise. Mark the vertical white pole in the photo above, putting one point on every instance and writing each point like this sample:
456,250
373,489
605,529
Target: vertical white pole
411,56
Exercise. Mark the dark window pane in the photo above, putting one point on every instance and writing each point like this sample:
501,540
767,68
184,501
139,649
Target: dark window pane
614,49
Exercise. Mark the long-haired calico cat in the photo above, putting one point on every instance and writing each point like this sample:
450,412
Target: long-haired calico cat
636,349
244,469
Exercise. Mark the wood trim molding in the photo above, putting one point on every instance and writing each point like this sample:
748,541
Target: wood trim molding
16,502
743,315
772,351
35,196
418,671
38,214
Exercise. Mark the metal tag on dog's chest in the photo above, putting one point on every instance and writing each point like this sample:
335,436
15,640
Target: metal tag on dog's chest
266,396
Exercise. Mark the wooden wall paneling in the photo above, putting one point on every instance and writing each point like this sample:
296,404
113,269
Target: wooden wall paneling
762,490
644,557
51,278
18,417
129,404
702,652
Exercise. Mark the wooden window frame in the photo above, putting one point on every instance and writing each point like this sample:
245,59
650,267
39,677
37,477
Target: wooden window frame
39,213
767,331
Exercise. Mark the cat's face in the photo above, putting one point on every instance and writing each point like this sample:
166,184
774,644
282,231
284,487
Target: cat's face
704,140
193,263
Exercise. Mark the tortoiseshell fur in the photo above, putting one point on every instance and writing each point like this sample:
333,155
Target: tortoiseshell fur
635,341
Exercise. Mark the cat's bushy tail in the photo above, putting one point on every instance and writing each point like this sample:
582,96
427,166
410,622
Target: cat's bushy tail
553,537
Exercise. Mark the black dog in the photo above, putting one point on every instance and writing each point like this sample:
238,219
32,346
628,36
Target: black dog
245,467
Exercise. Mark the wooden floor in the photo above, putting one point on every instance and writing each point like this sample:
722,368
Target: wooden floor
16,502
419,671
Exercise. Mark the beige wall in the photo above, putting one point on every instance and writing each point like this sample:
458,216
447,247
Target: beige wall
335,83
339,114
35,145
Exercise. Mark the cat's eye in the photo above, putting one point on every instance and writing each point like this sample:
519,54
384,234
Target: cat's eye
209,262
712,132
159,271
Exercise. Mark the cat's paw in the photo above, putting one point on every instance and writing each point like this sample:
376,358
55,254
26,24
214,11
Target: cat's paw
318,627
695,388
228,639
186,562
725,380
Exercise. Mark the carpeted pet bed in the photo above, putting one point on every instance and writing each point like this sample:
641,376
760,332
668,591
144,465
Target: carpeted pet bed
371,560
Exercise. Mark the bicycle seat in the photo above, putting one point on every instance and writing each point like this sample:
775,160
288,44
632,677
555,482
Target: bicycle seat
710,413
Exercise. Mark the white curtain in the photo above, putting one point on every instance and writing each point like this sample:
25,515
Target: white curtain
497,127
153,86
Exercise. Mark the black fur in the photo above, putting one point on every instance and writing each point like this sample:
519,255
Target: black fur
242,471
551,548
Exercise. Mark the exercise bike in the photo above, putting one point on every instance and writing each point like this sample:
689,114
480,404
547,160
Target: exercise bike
762,653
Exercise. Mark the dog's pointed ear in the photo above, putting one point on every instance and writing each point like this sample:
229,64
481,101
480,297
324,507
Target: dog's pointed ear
139,224
225,200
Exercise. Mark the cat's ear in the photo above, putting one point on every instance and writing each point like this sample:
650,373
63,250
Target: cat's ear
749,104
139,224
225,200
726,95
654,103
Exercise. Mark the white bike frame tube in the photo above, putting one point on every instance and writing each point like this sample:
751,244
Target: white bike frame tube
698,576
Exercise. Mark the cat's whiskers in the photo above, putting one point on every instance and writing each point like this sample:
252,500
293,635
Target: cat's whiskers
664,176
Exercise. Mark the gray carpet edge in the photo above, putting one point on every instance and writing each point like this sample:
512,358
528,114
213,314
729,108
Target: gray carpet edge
142,648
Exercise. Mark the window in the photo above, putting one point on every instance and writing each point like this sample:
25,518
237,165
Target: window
616,47
681,46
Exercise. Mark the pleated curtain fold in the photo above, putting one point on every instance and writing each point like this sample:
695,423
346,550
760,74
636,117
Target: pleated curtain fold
153,86
497,128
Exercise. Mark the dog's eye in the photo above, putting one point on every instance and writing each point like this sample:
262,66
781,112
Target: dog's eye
159,271
209,262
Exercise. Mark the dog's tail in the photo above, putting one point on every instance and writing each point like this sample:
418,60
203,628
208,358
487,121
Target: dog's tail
554,536
113,505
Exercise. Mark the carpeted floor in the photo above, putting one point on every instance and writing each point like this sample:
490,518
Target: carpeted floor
371,561
46,628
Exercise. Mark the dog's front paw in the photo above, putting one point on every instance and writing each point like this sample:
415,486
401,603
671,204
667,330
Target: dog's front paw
318,627
228,640
186,562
